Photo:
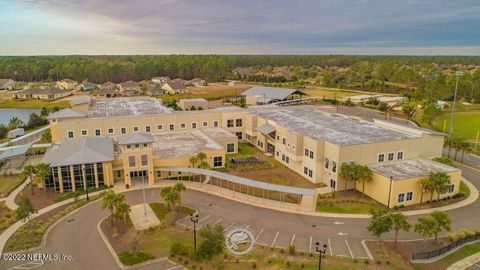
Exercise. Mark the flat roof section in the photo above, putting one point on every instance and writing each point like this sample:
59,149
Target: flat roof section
127,107
412,168
182,144
335,128
217,133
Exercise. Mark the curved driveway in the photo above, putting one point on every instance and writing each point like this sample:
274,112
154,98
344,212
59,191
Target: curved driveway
77,235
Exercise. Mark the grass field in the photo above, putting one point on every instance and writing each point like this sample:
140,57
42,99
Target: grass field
9,183
33,104
465,124
211,92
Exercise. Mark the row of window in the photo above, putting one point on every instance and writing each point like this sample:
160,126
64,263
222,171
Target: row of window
143,161
408,196
284,142
308,153
331,164
134,146
307,171
230,122
390,156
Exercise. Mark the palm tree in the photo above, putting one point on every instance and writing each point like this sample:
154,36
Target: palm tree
121,210
193,160
201,157
457,144
15,122
426,184
349,173
204,165
41,171
448,143
110,200
47,136
466,149
25,209
442,222
365,175
399,222
170,196
29,172
440,183
180,187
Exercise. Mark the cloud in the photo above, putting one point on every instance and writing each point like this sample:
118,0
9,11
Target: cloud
248,26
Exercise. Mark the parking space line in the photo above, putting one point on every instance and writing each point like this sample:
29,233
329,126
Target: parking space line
310,246
329,247
349,250
218,221
293,240
246,227
229,226
274,239
200,221
261,231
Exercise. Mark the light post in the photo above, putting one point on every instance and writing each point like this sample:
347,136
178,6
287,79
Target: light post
144,200
450,129
194,219
389,192
320,253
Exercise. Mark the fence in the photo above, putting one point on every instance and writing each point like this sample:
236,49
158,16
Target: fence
435,253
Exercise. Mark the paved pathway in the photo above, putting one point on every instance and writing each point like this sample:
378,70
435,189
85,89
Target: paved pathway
10,200
471,263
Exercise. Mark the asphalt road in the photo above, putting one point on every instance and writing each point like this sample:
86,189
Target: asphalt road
77,236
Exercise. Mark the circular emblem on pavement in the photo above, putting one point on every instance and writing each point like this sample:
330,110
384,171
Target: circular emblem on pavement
239,241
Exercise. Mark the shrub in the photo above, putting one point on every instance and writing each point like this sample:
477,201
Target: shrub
178,249
378,262
291,249
366,261
254,265
170,218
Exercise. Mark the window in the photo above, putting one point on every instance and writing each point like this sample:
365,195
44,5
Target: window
135,129
131,161
401,197
129,146
310,173
287,159
326,163
239,135
390,156
70,134
145,145
205,123
183,125
110,131
283,157
194,125
238,122
230,123
399,155
381,157
305,170
147,129
97,132
284,141
334,166
215,123
137,145
144,160
311,154
452,188
217,161
119,173
278,138
278,153
159,127
123,130
171,127
84,132
230,147
159,173
409,196
333,184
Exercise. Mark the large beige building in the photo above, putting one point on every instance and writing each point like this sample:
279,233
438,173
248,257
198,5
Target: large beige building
312,142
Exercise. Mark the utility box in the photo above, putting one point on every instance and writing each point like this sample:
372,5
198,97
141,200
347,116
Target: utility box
15,133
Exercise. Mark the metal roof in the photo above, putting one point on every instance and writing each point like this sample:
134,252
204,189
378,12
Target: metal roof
80,151
66,113
266,129
411,168
271,93
81,100
135,138
244,181
15,151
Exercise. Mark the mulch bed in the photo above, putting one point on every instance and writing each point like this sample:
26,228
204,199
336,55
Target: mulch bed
40,199
120,235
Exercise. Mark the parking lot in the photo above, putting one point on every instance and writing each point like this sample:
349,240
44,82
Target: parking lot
304,241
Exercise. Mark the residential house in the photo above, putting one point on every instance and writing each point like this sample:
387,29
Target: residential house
180,80
196,103
7,84
86,86
39,93
153,90
104,92
130,88
174,87
161,80
198,82
67,84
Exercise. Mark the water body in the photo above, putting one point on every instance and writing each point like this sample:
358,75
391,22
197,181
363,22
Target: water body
23,114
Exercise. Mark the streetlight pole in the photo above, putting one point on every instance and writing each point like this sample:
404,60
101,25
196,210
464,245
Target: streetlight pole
450,129
194,219
389,192
144,200
320,253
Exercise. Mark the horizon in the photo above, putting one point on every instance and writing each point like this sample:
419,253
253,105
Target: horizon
147,27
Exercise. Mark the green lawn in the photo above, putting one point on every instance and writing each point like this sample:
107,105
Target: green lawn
457,255
161,210
347,207
464,189
33,104
8,183
244,150
465,124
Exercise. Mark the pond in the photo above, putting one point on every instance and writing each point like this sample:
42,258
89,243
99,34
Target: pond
23,114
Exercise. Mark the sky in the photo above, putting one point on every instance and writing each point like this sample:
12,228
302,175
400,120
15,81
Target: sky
98,27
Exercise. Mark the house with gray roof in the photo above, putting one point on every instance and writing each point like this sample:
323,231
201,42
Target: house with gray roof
265,95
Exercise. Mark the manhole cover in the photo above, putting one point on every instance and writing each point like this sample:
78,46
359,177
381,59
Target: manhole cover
70,220
314,226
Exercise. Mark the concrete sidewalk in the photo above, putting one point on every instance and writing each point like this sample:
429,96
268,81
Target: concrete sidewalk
10,201
465,263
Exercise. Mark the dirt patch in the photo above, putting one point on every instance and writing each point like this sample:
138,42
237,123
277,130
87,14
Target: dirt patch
383,251
40,198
